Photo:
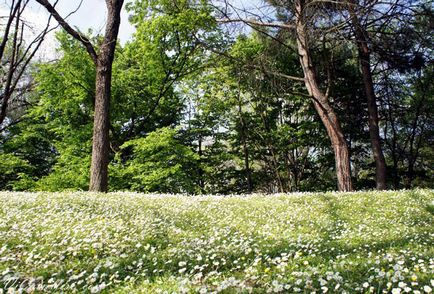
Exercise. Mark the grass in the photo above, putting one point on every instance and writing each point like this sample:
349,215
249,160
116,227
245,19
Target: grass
364,242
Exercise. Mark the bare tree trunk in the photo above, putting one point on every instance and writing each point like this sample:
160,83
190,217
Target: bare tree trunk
243,134
247,169
101,141
322,105
200,169
414,150
274,161
374,132
394,152
100,144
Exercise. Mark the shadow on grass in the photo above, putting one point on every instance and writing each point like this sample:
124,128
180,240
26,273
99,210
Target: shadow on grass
329,249
430,208
356,252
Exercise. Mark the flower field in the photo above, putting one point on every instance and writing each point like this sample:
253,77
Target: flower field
364,242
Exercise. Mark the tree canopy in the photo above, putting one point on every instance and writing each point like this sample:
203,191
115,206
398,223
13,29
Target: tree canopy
208,97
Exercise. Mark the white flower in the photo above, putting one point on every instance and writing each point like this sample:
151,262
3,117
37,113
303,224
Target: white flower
396,290
427,289
365,285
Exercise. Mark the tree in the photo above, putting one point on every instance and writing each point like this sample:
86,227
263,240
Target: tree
194,111
299,16
260,123
408,131
103,61
16,54
321,101
63,115
159,162
362,41
397,36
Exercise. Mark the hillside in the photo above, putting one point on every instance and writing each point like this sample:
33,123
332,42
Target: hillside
364,242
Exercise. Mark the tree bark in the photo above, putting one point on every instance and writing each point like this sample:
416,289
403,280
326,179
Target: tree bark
322,105
200,169
243,134
101,141
414,150
374,132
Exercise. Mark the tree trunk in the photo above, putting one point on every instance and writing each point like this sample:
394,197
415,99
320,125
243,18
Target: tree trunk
200,169
374,132
395,153
414,150
322,105
101,142
243,135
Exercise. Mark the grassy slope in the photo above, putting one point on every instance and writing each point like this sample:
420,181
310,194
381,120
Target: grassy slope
354,242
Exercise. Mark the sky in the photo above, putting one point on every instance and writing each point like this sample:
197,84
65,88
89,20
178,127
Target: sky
90,15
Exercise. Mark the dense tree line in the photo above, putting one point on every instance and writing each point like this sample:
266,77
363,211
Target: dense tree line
313,95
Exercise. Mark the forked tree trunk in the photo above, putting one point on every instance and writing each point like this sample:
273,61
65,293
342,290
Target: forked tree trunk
322,105
374,131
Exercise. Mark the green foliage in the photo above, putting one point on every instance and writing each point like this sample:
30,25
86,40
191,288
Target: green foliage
70,172
410,129
196,111
269,120
64,112
29,143
157,163
13,172
168,16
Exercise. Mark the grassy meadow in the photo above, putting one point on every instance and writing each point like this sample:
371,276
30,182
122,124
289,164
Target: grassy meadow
362,242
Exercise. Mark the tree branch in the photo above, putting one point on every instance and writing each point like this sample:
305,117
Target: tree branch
256,23
75,34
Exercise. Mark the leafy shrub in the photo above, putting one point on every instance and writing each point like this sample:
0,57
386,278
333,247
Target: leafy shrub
157,163
13,171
